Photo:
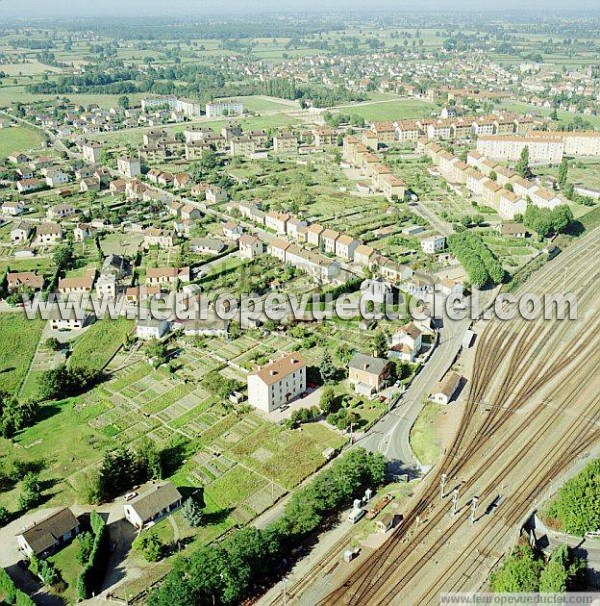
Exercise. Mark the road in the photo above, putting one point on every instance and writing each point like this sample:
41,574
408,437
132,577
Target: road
442,226
390,435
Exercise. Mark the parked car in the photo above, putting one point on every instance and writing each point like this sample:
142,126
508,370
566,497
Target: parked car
130,495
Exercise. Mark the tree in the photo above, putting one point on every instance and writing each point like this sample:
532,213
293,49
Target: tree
86,544
149,459
379,344
522,166
575,509
563,571
64,381
124,102
156,351
327,400
53,344
327,370
150,546
192,512
31,492
4,516
563,173
64,256
519,573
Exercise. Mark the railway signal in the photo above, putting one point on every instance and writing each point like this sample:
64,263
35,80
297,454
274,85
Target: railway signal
454,501
474,509
442,484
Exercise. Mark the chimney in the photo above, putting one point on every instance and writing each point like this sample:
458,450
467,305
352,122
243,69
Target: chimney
272,373
374,354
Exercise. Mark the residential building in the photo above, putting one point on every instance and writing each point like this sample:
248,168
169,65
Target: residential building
61,211
91,152
406,343
24,280
159,237
48,534
84,284
277,383
369,374
285,143
129,167
149,328
433,245
48,233
211,246
345,247
156,276
328,238
232,231
158,501
13,208
218,109
250,246
21,232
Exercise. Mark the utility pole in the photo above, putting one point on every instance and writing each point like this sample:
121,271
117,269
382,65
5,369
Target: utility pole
442,484
550,488
473,509
454,501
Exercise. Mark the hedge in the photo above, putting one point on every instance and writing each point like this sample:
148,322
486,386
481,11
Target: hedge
12,595
90,578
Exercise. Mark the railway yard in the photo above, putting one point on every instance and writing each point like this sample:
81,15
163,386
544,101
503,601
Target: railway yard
532,410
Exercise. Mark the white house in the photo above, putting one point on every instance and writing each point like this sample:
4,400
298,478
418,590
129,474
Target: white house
160,500
149,328
406,343
277,383
49,534
446,388
433,245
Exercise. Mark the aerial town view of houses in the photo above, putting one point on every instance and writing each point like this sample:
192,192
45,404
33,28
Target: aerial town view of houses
424,168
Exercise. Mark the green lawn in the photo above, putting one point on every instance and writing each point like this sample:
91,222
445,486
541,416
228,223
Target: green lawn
64,442
19,341
402,109
94,348
66,562
19,139
423,439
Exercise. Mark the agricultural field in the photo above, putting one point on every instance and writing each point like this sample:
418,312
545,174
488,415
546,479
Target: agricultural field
395,109
99,342
19,138
20,338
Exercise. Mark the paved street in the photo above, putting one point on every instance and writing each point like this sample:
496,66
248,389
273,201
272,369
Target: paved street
390,435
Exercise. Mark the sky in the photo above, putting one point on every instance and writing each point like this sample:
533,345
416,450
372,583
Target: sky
174,8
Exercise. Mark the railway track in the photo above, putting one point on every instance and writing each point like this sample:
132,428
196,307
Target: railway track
514,362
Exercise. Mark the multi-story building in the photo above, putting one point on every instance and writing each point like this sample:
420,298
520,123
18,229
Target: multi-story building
218,109
277,383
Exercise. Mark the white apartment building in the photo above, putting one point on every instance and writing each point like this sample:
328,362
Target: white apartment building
542,150
433,245
129,167
277,383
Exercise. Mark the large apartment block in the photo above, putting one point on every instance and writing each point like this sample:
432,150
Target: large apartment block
277,383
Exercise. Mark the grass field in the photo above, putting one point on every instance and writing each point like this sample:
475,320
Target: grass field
94,348
401,109
20,337
19,139
423,439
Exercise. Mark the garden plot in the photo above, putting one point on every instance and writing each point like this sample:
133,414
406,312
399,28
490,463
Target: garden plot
207,467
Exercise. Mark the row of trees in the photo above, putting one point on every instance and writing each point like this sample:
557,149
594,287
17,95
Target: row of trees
10,593
64,381
474,255
526,571
228,572
93,554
